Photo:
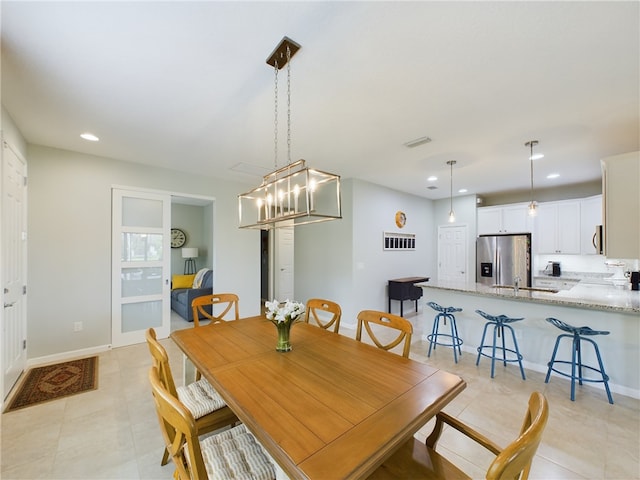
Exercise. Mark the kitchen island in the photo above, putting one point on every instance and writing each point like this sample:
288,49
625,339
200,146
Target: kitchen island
600,307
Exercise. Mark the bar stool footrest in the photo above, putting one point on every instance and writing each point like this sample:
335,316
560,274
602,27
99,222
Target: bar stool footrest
603,376
453,341
518,356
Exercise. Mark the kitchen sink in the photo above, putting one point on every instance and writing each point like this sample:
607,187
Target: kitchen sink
528,289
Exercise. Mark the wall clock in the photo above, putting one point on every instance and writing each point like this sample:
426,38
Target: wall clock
178,238
401,219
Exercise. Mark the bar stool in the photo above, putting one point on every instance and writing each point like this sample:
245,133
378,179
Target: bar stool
454,340
500,322
578,334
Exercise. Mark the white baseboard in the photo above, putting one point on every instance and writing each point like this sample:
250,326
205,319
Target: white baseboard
61,357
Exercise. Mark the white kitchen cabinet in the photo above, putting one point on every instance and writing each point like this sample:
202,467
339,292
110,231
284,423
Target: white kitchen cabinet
503,219
558,228
621,199
590,218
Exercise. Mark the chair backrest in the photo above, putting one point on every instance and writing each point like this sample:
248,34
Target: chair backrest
161,362
515,460
367,317
226,301
178,431
324,313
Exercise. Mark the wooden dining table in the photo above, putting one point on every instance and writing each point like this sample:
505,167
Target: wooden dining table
332,407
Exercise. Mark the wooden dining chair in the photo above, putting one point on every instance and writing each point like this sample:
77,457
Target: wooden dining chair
226,301
404,327
202,400
323,313
418,460
222,455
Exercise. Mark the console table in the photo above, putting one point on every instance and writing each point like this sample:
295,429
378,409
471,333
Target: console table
404,289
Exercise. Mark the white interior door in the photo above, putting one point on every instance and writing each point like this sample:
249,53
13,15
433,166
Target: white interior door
284,254
14,248
452,253
141,264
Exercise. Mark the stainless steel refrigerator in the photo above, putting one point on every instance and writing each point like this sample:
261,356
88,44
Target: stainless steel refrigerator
502,258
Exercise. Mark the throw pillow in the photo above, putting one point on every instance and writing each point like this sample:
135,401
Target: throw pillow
197,281
182,281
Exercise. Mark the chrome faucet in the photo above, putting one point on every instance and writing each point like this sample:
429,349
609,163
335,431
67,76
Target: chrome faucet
516,284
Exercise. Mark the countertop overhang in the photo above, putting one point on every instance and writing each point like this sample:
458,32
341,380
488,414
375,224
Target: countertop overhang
583,295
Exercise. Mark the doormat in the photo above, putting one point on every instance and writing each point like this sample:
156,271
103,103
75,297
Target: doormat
42,384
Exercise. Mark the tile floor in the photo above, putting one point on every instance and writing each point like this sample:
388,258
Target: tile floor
112,433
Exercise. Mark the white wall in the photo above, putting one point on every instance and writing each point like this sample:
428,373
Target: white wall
344,260
70,243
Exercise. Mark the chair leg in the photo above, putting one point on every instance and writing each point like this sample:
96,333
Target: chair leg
574,353
553,358
454,338
455,328
484,333
434,334
517,349
165,457
493,350
605,377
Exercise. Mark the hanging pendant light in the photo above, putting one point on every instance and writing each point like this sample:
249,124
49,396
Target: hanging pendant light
452,215
294,194
533,206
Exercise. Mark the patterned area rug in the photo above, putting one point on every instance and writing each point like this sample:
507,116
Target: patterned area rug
42,384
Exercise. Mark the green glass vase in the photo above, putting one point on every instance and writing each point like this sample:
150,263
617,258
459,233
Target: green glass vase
284,328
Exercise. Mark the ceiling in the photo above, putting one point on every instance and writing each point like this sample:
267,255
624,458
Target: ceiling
185,85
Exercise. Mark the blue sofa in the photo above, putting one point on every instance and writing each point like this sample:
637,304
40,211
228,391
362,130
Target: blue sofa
181,298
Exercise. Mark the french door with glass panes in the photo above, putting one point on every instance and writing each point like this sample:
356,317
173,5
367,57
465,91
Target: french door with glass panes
141,262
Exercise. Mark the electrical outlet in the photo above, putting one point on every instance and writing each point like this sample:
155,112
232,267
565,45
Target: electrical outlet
77,326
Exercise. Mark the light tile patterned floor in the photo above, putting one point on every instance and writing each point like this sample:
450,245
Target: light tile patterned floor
112,433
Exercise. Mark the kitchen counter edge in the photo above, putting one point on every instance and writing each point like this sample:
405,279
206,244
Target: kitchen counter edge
603,298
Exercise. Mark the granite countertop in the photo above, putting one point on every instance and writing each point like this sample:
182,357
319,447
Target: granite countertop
582,295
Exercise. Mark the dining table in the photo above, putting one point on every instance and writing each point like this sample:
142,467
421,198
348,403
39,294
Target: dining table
331,407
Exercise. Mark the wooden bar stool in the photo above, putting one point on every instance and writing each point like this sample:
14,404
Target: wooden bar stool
499,323
578,335
451,340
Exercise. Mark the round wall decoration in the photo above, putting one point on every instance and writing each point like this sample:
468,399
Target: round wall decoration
401,219
178,238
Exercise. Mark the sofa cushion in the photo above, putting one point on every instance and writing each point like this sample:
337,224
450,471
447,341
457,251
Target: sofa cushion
182,281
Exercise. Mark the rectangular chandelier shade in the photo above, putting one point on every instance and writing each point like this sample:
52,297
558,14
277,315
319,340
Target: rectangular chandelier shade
290,196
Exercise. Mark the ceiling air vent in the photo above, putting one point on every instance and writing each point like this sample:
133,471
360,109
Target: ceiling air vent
417,142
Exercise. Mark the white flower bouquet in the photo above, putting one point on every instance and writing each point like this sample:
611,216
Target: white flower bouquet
287,312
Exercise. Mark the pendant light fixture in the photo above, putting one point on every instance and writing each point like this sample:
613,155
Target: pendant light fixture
452,215
533,207
294,194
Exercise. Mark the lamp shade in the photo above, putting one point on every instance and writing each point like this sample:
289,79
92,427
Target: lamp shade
189,253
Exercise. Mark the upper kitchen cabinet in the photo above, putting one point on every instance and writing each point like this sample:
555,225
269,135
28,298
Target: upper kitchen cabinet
621,202
558,228
504,219
590,218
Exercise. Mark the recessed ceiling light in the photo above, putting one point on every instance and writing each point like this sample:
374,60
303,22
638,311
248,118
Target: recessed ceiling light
432,178
553,175
89,136
462,190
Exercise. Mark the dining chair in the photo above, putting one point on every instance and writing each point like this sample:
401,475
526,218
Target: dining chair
226,301
324,313
205,404
368,317
415,459
229,454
